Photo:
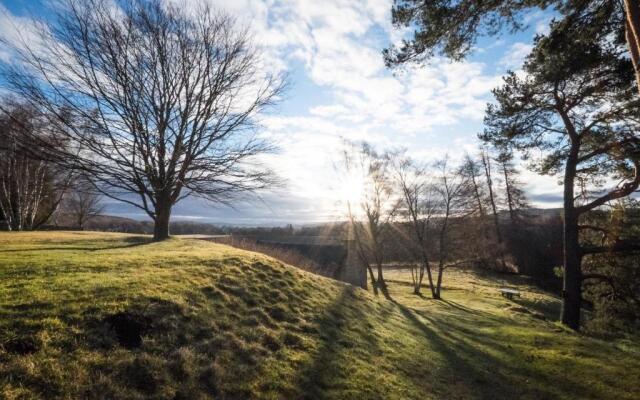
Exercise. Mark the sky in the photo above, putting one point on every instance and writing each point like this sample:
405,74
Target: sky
340,89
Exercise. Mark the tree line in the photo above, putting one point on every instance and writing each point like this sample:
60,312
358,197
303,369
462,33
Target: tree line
434,210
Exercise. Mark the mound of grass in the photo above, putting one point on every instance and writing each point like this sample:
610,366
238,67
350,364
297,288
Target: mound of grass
96,315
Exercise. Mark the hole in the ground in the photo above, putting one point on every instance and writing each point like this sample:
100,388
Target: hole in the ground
21,346
129,328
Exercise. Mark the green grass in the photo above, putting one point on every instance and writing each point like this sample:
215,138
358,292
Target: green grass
230,324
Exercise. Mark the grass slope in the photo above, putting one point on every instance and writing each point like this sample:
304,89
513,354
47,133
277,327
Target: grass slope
219,322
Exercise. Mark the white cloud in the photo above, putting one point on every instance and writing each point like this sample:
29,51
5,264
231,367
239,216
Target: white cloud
514,57
339,43
335,40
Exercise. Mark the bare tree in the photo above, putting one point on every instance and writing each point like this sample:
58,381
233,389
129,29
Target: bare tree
31,187
419,206
164,102
83,203
450,187
486,164
371,217
515,197
479,240
472,173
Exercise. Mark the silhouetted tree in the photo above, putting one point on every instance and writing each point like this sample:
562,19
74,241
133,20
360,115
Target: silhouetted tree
450,186
472,173
371,215
163,100
514,196
485,159
83,203
419,205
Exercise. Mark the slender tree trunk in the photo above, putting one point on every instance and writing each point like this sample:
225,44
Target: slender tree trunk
163,214
381,283
420,279
436,294
439,283
377,254
487,169
414,277
442,250
362,254
374,284
632,32
507,185
476,191
425,262
572,281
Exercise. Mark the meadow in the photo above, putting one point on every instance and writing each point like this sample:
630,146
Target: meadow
103,315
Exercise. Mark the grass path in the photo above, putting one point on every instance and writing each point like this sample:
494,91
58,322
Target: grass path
218,322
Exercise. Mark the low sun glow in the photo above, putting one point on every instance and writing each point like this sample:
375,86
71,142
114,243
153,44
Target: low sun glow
351,190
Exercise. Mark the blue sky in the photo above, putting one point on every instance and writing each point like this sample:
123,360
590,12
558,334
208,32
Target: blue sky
331,51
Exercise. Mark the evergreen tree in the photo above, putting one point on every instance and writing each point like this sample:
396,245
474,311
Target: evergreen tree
452,27
578,105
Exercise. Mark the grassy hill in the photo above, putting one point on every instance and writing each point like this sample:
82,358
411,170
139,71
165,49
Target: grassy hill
95,315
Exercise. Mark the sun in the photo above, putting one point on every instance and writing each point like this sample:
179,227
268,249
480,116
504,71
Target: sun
351,190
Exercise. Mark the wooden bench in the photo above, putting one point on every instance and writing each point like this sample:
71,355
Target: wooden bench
509,293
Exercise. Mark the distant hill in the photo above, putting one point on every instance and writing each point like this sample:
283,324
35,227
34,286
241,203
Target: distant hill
111,223
108,223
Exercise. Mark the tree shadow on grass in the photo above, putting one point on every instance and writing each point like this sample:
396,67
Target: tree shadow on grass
117,244
344,327
481,364
549,308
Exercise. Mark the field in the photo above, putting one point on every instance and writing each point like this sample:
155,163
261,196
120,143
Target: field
97,315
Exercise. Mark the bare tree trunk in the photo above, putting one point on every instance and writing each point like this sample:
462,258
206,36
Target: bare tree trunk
420,279
439,283
377,252
442,250
374,284
436,295
476,191
486,162
363,258
161,221
512,217
426,266
362,255
381,283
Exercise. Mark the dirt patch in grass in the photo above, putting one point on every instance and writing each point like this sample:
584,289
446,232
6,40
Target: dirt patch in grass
21,345
129,328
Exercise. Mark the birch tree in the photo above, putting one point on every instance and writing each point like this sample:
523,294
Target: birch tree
31,186
419,206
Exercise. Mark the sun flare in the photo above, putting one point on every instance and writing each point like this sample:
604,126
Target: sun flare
351,190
